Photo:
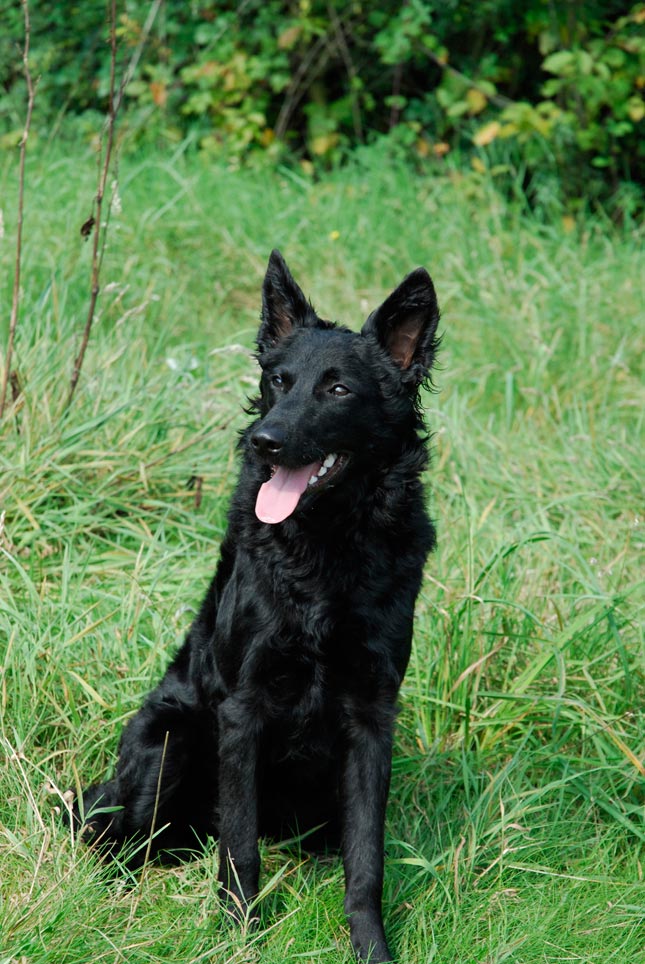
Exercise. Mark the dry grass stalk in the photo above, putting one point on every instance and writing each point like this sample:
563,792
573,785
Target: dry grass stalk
94,225
15,301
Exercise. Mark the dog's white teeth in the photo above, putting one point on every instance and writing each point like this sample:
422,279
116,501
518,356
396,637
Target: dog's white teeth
323,470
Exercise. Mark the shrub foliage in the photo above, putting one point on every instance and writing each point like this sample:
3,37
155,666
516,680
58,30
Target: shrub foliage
552,90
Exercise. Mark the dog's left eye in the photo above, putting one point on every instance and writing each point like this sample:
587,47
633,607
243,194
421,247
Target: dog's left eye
339,390
277,381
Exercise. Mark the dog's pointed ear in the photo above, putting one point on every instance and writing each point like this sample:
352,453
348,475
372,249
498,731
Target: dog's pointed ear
405,325
284,306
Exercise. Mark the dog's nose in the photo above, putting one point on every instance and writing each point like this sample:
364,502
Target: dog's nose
268,440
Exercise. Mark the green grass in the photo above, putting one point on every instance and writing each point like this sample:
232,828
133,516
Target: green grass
516,828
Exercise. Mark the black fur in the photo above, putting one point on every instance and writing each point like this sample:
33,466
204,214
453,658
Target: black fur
276,716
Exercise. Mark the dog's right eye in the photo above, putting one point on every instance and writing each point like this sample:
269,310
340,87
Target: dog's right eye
277,381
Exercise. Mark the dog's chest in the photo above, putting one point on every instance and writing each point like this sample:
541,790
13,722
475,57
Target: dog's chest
299,702
294,634
290,681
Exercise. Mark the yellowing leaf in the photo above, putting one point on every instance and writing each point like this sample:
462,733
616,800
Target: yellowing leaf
324,143
159,93
11,139
636,109
208,70
487,134
478,165
288,37
476,101
508,130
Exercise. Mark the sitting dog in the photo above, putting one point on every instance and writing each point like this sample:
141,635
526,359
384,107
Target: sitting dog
276,716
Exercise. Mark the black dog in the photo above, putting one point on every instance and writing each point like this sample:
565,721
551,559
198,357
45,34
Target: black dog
276,715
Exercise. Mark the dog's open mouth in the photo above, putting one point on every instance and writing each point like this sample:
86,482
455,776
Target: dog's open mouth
321,474
278,497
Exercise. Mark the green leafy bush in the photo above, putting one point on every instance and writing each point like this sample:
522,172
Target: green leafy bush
589,112
553,93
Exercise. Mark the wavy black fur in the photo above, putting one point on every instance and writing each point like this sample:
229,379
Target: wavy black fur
276,715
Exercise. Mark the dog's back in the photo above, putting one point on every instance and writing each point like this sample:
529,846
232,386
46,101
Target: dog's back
276,716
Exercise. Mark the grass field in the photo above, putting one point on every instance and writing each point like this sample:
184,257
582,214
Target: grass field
516,828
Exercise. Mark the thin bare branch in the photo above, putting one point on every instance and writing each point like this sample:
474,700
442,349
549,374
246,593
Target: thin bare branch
128,74
497,99
352,73
395,112
313,63
15,301
104,161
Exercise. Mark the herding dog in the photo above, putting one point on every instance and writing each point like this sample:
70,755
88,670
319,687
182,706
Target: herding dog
275,718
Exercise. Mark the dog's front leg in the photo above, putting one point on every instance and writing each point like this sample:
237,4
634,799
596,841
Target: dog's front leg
239,859
366,780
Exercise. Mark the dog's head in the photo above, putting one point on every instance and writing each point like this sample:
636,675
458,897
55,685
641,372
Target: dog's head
334,402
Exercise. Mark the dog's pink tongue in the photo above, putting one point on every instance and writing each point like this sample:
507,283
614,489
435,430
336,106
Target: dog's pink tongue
279,496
